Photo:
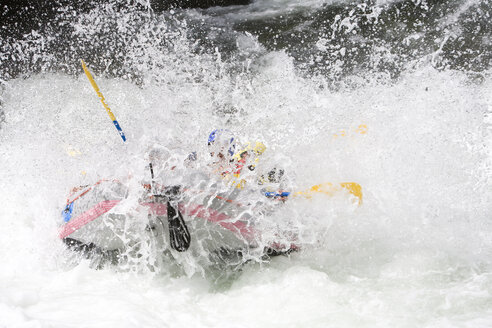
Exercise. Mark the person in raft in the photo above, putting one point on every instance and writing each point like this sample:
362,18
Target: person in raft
238,166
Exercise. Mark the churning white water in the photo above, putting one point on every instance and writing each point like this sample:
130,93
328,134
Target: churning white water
416,253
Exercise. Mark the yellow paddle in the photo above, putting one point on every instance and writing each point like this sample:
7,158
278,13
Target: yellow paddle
103,101
330,189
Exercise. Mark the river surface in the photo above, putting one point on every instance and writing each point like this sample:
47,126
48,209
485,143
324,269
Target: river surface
393,95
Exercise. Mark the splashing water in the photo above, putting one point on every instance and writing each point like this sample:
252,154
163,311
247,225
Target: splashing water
393,95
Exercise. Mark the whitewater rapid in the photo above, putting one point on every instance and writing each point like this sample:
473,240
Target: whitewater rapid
416,253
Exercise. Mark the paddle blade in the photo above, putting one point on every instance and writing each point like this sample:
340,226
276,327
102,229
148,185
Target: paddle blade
331,189
179,235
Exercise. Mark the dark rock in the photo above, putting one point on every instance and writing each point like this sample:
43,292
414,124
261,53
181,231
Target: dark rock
162,5
21,16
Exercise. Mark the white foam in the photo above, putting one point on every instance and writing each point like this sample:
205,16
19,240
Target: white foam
416,253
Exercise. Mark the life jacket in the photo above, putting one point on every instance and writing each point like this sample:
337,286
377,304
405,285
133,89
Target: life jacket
242,156
242,159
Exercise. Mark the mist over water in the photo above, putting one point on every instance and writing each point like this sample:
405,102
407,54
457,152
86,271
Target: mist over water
304,77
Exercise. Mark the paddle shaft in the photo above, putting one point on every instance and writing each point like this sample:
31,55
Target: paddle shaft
103,101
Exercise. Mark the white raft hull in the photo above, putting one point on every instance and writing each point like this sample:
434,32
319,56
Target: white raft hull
103,216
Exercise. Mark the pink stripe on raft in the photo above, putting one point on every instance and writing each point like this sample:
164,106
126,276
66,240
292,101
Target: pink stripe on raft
200,211
86,217
223,220
207,214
